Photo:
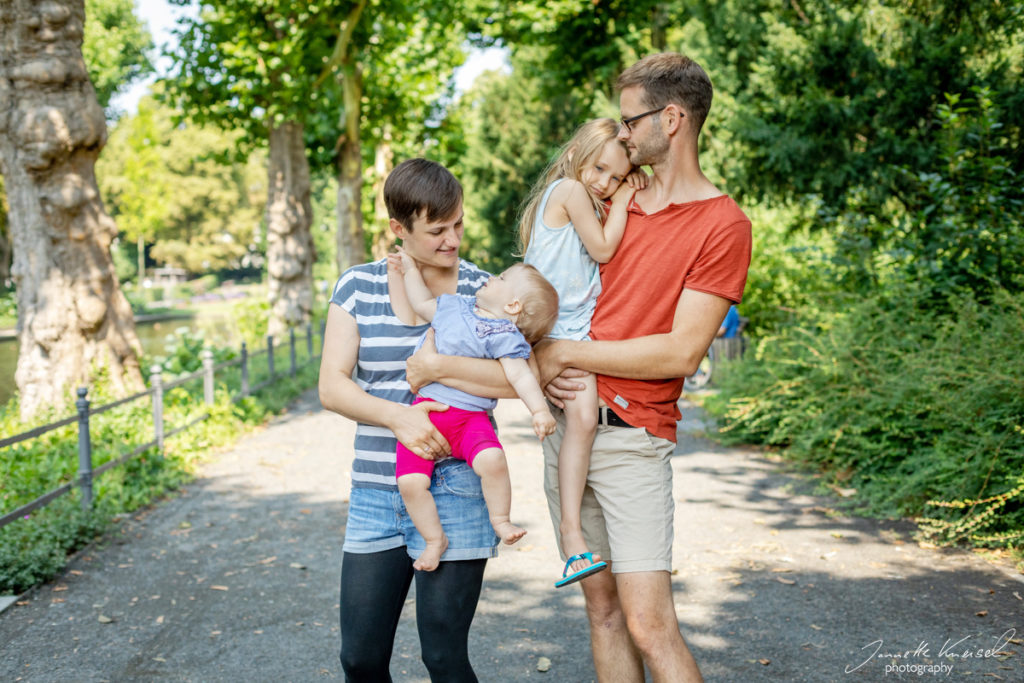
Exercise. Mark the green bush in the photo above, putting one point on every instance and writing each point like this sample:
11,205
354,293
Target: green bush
918,410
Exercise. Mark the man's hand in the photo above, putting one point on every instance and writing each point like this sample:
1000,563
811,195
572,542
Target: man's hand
420,369
556,378
543,423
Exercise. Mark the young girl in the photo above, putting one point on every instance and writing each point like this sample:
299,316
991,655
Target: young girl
563,237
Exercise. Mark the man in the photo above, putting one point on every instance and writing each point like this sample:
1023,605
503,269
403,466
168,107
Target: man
681,264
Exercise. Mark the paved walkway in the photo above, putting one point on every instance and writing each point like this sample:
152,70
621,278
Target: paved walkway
236,579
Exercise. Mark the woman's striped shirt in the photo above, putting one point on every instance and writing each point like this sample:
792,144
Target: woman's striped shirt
385,343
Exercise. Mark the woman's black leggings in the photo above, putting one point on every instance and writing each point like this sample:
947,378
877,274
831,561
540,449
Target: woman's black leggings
373,591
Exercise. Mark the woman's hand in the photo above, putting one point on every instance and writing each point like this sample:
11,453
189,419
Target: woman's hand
417,433
420,369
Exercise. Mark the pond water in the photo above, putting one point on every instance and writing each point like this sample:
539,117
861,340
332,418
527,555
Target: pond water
154,336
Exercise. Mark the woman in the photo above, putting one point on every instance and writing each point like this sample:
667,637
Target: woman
371,331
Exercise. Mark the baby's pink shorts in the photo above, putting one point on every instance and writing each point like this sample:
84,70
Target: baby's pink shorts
468,432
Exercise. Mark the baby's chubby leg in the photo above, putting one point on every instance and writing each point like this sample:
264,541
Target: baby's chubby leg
573,466
492,468
415,490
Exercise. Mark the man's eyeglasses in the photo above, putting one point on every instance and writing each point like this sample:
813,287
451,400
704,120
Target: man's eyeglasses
628,123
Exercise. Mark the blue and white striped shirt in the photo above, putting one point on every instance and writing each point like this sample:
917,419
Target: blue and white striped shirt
385,343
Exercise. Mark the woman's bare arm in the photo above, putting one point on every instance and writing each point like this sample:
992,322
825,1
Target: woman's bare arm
339,392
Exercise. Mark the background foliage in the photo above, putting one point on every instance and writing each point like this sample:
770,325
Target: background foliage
876,146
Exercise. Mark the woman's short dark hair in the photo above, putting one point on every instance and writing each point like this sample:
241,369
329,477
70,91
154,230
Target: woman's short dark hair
418,186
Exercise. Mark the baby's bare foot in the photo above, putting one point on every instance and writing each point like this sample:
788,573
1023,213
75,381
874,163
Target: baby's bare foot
431,555
508,532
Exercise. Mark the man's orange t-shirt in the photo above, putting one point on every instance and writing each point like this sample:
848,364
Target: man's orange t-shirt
703,246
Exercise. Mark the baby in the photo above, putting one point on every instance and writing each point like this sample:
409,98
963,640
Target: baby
510,312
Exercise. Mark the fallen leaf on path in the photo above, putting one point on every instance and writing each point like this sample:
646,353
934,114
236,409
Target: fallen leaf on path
788,582
219,588
75,572
982,613
781,570
296,565
1017,595
543,664
60,588
160,619
268,560
215,633
766,662
103,619
816,627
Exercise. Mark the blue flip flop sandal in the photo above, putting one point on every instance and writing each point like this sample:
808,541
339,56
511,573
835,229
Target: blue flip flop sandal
594,568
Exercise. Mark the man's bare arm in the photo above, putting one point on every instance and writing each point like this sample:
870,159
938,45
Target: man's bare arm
676,353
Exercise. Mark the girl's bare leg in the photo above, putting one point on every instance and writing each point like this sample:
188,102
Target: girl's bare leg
573,465
493,470
415,490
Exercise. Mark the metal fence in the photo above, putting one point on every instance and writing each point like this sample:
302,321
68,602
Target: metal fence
161,431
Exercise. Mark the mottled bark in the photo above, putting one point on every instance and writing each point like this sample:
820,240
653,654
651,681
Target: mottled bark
290,252
351,248
72,317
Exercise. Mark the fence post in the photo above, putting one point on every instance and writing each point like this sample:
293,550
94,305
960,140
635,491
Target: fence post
156,379
270,354
207,356
84,449
309,339
291,351
245,370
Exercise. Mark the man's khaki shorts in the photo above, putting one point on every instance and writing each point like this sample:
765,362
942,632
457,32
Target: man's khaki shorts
627,506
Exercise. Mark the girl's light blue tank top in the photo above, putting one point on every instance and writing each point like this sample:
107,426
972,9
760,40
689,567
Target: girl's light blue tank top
559,254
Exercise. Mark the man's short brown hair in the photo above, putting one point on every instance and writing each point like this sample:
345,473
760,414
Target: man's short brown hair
671,78
418,186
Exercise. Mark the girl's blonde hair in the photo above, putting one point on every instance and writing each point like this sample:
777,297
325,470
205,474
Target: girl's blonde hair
587,142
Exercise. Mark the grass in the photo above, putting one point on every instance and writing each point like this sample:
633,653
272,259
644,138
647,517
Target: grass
34,549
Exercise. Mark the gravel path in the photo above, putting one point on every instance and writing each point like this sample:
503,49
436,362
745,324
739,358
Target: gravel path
236,579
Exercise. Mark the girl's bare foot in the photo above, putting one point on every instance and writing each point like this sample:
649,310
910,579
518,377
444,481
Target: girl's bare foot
573,544
508,532
431,556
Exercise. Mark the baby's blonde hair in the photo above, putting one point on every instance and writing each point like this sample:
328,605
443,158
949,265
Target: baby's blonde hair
540,305
587,142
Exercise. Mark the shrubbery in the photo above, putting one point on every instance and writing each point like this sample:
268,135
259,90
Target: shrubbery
32,550
920,411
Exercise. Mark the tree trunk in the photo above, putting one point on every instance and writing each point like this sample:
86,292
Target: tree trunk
351,249
72,317
5,237
290,252
384,161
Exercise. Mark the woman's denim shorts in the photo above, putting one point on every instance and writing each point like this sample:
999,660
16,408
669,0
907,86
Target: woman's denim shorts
378,520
